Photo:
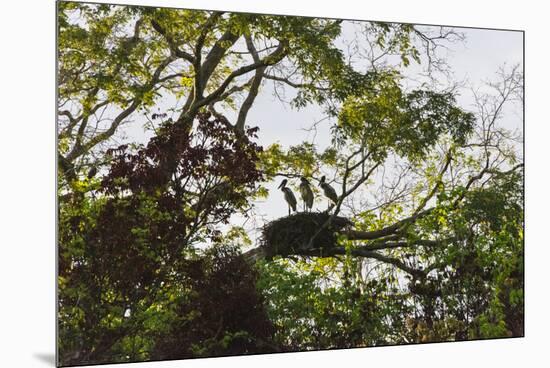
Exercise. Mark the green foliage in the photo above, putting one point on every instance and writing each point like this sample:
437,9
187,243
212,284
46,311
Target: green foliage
150,269
140,302
309,315
133,284
475,290
409,124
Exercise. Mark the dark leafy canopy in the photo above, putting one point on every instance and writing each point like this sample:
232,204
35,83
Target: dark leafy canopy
199,178
127,261
149,264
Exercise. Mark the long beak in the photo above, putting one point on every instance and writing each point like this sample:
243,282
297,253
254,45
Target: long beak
281,185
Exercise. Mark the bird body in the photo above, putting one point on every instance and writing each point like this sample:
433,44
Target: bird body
306,193
92,172
289,196
328,191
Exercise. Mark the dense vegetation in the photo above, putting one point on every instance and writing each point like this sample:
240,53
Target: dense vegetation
424,242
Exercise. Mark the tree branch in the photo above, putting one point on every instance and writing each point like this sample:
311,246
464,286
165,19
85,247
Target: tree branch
361,252
171,43
217,52
80,148
386,231
293,84
200,81
254,88
270,59
438,183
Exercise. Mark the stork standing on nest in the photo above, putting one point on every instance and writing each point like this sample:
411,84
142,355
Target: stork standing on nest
329,191
306,193
289,196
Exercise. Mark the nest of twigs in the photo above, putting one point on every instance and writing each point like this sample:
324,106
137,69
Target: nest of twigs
292,234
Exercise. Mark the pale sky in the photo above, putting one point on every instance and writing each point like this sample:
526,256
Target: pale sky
472,62
475,60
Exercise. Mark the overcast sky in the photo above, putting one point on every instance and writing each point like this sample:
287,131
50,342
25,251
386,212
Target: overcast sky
472,61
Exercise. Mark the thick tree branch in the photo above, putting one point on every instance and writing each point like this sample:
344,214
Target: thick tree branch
386,231
200,79
254,87
361,252
379,245
217,52
270,59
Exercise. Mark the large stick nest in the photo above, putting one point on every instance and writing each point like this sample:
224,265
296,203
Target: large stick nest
292,234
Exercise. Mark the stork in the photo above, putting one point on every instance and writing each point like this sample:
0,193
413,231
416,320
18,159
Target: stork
329,191
289,196
306,193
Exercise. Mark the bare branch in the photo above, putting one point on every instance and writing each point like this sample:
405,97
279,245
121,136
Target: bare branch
437,185
293,84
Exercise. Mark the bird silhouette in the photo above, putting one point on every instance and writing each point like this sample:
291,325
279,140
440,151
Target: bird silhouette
289,196
328,191
92,172
306,193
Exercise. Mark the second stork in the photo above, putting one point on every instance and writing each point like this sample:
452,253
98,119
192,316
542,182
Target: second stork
306,193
